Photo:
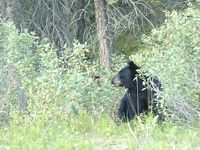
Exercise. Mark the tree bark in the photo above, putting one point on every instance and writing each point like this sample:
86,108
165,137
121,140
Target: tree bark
9,10
102,32
81,21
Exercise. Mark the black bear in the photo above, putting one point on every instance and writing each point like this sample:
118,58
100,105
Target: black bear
138,97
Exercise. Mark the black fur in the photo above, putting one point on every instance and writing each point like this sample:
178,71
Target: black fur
137,97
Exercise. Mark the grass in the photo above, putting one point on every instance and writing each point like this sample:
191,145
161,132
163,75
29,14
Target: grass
84,132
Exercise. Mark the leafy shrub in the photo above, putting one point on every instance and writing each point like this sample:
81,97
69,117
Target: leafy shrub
48,85
80,90
29,67
172,53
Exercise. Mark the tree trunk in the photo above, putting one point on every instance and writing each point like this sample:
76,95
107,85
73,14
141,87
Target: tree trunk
9,10
81,21
103,38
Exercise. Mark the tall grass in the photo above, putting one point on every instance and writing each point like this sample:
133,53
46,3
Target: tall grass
84,132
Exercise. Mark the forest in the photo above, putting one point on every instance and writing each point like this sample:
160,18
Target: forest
59,60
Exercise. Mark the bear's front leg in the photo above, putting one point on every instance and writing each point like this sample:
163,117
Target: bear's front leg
122,111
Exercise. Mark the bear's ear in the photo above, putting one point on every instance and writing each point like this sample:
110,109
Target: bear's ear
133,66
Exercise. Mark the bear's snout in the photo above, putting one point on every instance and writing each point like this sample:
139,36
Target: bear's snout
116,81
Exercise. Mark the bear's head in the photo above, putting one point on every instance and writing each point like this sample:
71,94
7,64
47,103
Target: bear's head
126,75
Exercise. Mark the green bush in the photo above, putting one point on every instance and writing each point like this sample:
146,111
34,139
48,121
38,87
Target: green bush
80,90
29,68
172,53
46,85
